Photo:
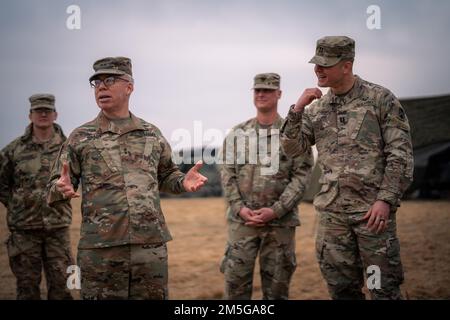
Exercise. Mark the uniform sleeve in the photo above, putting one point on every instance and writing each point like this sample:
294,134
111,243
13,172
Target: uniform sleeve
69,155
293,193
229,176
170,178
6,176
297,134
398,173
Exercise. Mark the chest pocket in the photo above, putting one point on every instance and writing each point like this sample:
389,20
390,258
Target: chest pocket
325,124
149,142
110,161
28,166
366,130
151,155
99,165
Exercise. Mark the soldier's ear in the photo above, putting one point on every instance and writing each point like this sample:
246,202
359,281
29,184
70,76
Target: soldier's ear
348,66
279,93
56,116
130,88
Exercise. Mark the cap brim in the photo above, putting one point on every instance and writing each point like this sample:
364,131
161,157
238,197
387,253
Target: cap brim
264,86
107,71
42,106
323,61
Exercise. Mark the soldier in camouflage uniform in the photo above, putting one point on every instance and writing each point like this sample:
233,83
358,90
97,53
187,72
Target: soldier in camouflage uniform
262,198
364,150
123,162
39,234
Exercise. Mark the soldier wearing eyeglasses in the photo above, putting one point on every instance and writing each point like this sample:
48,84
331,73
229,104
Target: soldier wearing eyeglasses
39,236
122,163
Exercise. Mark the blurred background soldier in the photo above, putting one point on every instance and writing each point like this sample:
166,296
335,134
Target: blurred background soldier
365,153
123,162
39,234
262,199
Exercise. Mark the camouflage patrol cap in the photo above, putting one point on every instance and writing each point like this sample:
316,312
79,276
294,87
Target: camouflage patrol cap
267,81
112,65
332,49
42,100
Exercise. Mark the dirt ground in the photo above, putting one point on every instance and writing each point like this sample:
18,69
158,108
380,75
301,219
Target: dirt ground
199,231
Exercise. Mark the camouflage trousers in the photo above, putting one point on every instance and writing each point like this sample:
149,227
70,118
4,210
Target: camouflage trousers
345,248
31,250
276,247
124,272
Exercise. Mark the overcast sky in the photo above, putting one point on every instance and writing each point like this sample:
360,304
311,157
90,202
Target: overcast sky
195,60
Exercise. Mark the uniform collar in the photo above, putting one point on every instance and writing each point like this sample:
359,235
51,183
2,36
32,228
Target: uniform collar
106,125
58,135
28,133
275,125
354,93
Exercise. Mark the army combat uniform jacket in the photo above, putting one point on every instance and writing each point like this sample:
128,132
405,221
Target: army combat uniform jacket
121,170
364,147
246,184
24,170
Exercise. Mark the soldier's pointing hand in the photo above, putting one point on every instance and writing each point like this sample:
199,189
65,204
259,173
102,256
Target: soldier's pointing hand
64,185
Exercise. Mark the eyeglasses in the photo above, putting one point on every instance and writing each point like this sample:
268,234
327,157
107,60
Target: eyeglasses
108,82
42,111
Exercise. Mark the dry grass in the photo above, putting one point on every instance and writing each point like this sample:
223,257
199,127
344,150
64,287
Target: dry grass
199,231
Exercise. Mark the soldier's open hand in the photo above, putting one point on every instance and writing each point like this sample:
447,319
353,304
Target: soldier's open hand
308,96
378,216
64,185
193,180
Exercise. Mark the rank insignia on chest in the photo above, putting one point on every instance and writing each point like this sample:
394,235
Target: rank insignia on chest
343,119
